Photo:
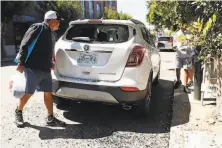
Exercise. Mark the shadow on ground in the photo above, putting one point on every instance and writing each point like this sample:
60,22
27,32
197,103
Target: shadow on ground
98,120
181,108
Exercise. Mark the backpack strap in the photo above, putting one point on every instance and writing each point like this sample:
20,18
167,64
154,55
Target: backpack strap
32,45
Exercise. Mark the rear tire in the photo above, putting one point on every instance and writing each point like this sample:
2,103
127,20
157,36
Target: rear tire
156,80
143,109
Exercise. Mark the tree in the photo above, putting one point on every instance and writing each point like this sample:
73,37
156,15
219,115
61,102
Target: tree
207,29
8,9
44,6
124,16
111,13
162,13
202,18
69,10
171,14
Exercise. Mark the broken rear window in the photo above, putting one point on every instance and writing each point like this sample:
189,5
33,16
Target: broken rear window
103,33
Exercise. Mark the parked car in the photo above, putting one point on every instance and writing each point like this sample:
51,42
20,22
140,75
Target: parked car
110,61
164,43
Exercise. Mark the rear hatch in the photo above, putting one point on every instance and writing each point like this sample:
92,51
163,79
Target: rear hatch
94,51
167,41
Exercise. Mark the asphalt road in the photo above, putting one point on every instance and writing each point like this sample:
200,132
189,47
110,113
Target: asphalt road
89,124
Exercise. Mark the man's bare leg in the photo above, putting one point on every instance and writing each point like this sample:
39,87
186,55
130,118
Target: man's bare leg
186,76
18,112
51,120
48,102
187,73
178,82
190,74
23,101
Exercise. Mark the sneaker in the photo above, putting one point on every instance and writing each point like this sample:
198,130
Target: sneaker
177,84
190,84
187,90
53,121
19,118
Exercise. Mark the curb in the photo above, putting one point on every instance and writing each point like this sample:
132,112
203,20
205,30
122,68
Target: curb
188,128
179,119
174,137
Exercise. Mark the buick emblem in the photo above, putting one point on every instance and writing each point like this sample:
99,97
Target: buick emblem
86,47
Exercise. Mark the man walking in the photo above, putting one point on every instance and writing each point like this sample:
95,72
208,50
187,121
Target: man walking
37,67
184,58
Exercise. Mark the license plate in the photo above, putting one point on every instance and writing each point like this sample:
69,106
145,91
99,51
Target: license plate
87,58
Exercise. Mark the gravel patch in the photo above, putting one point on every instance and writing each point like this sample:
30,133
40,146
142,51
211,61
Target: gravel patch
90,125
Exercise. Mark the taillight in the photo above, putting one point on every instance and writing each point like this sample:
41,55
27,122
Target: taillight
129,88
136,56
95,21
170,41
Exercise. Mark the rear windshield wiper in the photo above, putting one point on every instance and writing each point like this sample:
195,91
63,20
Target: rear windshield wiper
82,39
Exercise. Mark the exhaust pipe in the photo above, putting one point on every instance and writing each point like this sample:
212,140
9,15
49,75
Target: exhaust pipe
127,107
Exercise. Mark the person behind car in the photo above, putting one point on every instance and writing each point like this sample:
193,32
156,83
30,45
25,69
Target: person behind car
184,57
37,68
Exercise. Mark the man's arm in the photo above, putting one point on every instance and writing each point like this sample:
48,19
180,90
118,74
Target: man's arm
53,61
29,36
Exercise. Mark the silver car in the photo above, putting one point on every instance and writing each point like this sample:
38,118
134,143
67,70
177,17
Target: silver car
164,43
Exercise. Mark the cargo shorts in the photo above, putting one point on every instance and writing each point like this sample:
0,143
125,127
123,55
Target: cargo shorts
185,63
37,80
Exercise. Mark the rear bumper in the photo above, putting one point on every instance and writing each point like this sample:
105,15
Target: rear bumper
165,46
106,94
168,48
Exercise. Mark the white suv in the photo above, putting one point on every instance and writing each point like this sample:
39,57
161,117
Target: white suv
165,43
110,61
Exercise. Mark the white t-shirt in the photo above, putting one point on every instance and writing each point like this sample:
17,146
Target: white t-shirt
184,48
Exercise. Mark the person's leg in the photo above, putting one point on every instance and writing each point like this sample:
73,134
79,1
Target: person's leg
23,101
190,71
190,74
178,64
46,87
31,84
48,102
18,112
186,76
178,73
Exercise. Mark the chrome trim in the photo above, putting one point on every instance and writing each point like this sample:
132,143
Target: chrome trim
70,50
97,51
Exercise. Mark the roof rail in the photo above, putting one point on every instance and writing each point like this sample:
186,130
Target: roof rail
135,21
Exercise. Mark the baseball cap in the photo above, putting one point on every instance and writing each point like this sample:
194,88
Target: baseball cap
52,15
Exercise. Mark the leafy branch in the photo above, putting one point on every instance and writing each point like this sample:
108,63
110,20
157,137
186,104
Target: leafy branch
202,18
